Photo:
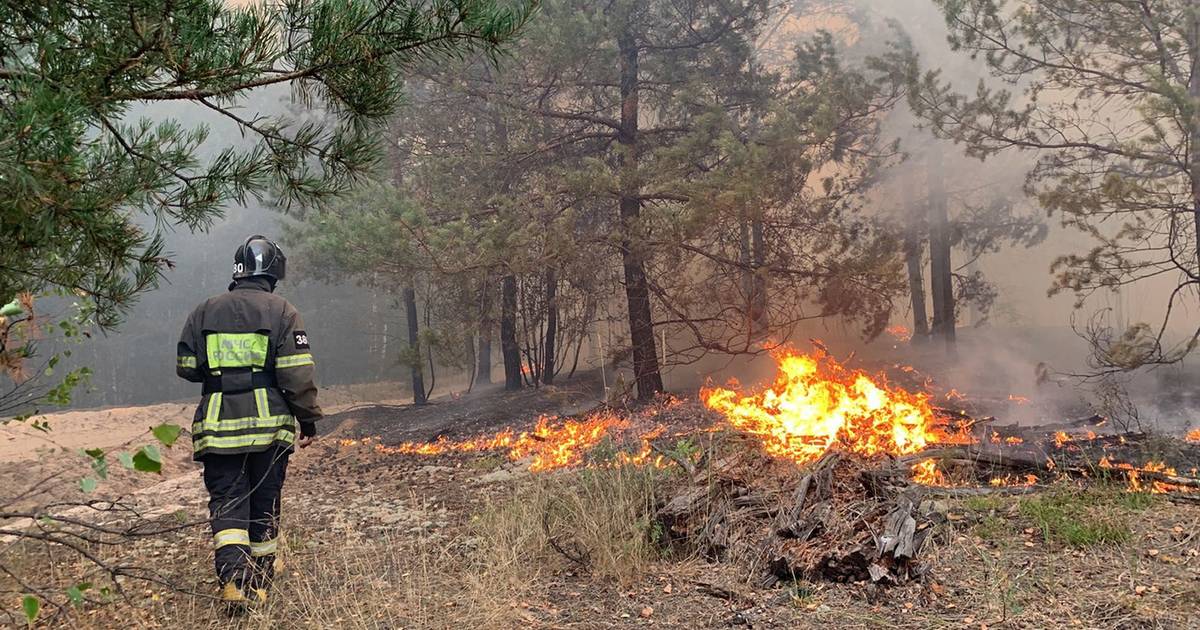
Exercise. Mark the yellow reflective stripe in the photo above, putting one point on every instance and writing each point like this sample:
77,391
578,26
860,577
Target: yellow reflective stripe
294,360
236,349
260,401
231,537
286,436
251,422
213,413
264,548
185,362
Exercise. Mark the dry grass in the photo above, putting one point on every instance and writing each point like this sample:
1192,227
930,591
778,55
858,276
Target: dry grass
480,578
594,520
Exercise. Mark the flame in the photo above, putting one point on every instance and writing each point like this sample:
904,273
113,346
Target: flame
816,404
1193,435
553,443
899,333
1009,480
954,394
1134,476
1020,400
926,472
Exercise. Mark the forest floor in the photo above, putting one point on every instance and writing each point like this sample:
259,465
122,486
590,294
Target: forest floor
376,539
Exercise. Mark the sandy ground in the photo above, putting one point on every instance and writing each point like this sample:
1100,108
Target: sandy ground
377,540
114,427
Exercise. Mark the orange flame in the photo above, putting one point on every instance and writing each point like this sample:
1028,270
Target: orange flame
926,472
899,333
1020,400
1193,435
816,404
552,444
1133,474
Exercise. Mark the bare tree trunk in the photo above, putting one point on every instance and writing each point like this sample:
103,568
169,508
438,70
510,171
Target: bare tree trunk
940,266
637,288
471,352
548,364
409,292
912,256
483,359
759,320
1193,34
508,333
414,345
750,255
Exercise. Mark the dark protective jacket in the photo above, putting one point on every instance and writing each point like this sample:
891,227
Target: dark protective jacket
249,349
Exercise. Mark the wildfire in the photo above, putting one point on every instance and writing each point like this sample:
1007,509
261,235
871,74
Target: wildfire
1193,435
927,473
553,443
899,333
1153,476
816,404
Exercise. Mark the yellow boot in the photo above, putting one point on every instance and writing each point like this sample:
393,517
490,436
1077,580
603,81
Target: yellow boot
231,594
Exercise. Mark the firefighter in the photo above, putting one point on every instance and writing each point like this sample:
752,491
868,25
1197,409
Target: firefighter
249,348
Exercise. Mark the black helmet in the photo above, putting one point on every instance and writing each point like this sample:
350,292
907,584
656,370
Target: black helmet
259,256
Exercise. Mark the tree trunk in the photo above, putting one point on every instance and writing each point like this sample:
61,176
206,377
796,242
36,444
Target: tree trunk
637,288
483,358
940,267
912,256
548,364
414,345
759,321
1193,34
508,333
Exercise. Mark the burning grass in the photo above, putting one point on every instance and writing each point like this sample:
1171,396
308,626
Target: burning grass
817,404
827,473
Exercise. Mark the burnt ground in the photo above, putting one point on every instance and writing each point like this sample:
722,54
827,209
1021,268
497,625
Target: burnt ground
376,540
486,409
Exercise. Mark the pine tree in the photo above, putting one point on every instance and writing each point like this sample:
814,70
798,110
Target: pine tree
80,171
1105,92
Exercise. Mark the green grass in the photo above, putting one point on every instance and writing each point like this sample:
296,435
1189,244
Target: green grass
1082,518
995,528
1067,515
984,504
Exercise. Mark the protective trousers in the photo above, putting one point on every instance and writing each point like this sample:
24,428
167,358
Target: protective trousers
243,505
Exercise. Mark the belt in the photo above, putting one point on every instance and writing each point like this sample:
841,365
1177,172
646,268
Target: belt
235,383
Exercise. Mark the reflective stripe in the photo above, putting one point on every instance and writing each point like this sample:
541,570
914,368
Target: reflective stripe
287,436
231,537
185,362
248,424
264,548
236,349
261,402
294,360
213,413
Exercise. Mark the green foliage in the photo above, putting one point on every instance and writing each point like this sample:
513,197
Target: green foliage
78,167
31,606
147,459
1102,92
75,593
99,462
166,434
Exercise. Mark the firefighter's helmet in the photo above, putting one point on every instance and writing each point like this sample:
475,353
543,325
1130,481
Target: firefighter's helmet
259,256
